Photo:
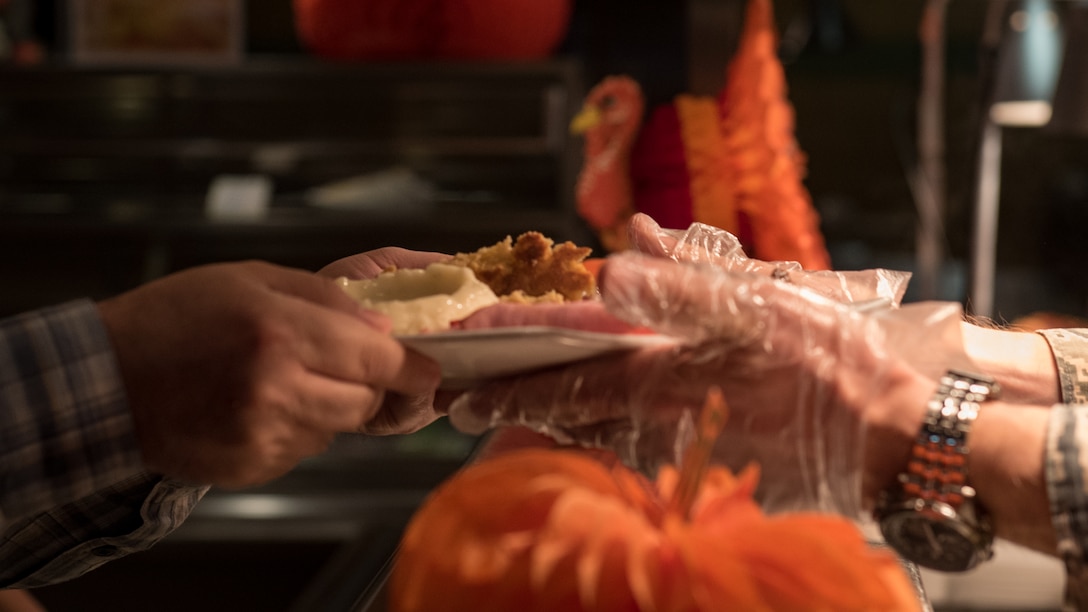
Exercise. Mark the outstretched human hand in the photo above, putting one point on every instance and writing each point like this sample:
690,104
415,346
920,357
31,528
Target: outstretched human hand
235,372
824,396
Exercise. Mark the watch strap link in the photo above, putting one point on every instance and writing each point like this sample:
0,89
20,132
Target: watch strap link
937,469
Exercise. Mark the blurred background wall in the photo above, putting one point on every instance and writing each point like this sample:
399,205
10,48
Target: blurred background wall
124,151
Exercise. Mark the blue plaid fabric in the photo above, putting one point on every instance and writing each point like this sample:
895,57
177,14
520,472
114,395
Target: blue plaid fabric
73,494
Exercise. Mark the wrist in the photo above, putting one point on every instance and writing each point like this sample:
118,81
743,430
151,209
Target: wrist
932,515
891,427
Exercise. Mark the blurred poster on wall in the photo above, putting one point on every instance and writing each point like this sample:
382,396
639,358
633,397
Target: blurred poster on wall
156,31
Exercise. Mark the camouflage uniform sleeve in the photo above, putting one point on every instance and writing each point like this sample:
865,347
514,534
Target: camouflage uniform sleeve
1067,460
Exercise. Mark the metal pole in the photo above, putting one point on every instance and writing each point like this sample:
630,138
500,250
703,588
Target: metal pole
980,292
930,177
984,230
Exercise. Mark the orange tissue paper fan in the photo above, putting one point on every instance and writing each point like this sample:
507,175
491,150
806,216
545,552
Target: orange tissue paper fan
431,29
730,161
545,529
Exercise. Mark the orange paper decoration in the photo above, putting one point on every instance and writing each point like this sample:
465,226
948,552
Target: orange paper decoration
541,529
730,161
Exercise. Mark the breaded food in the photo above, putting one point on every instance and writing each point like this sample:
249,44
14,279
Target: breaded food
532,269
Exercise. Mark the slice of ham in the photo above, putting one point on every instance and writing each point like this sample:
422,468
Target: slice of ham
585,316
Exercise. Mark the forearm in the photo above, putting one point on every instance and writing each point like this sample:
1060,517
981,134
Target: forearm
75,538
75,493
1009,439
1021,362
66,429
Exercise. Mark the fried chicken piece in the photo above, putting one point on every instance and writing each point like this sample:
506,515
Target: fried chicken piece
532,269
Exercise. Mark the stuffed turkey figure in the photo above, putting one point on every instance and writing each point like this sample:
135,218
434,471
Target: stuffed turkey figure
730,161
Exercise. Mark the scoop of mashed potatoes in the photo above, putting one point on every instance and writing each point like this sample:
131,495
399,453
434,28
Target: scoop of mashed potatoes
419,301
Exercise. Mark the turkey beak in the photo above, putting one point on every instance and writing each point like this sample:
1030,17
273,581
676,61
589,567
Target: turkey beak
585,120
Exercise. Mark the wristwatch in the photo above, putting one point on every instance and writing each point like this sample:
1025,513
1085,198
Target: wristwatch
931,516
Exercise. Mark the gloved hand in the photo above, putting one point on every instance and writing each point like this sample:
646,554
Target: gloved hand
701,243
825,397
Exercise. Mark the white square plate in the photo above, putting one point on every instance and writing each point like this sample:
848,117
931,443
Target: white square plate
470,356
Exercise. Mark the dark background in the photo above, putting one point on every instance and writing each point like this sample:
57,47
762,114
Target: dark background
103,172
853,70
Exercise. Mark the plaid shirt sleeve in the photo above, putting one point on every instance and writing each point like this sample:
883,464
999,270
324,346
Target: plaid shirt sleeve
1067,460
72,490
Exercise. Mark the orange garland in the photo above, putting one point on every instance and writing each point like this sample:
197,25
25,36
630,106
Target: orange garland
764,162
712,200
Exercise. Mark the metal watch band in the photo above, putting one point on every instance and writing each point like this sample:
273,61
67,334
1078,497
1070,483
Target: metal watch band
937,469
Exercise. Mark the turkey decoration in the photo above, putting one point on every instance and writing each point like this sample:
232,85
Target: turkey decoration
431,29
546,530
731,161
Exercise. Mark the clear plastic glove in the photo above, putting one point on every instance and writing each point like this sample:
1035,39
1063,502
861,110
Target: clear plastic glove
824,396
702,243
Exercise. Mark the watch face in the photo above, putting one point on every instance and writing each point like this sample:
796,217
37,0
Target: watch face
932,541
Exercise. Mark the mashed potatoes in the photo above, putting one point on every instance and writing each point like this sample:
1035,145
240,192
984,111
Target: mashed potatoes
424,300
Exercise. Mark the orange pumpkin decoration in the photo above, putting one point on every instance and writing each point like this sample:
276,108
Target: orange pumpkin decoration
435,29
540,529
